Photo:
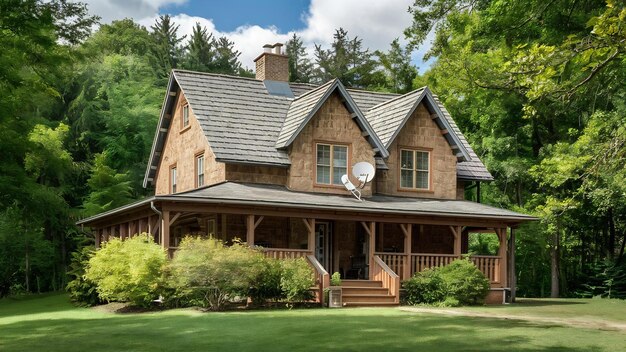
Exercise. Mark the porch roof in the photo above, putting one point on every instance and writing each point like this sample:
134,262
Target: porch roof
234,193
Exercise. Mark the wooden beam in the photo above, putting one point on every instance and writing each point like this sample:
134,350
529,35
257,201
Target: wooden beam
444,131
258,221
310,225
501,232
456,231
371,230
250,230
175,217
512,273
165,230
367,228
408,242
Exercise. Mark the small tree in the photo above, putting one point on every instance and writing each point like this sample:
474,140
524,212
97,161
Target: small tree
82,291
129,270
212,273
296,280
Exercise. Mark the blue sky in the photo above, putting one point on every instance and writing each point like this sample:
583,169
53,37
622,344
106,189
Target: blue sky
250,24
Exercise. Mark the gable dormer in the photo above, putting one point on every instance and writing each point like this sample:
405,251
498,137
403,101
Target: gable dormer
325,133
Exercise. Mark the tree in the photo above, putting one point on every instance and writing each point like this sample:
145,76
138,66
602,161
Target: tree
300,66
226,57
168,51
108,189
200,55
123,37
399,71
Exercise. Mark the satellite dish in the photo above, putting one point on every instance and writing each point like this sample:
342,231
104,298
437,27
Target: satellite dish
364,172
350,187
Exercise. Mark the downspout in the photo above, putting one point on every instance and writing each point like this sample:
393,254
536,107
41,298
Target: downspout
160,216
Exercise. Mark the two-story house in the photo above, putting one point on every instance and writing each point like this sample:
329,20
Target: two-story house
262,160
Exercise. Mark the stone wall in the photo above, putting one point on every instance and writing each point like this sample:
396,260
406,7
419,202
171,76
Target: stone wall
180,149
421,132
332,124
256,174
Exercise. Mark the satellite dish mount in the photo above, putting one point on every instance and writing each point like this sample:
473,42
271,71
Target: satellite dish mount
364,172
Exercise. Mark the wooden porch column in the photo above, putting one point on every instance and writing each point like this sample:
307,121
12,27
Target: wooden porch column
503,257
408,241
512,276
370,228
165,230
123,231
310,226
456,231
251,225
97,236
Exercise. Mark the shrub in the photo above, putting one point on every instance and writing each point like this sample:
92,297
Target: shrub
266,286
425,287
335,279
210,273
459,283
129,270
296,280
82,291
465,282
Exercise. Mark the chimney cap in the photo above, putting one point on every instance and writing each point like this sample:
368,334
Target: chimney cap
268,46
278,45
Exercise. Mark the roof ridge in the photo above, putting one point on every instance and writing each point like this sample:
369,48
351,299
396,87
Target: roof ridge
397,98
216,75
329,83
375,92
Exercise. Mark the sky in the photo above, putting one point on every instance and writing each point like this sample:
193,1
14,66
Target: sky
251,24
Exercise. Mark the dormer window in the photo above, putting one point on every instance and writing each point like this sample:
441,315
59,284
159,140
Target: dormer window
173,179
185,115
332,163
199,170
414,169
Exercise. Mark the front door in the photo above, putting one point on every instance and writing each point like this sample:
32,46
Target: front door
323,244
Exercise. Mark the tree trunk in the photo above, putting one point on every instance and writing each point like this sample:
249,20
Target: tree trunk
554,254
611,235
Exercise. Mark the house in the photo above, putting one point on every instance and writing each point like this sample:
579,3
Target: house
263,159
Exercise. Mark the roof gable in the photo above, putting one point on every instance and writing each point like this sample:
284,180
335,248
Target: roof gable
303,108
390,117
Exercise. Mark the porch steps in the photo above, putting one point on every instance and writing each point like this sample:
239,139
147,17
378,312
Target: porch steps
361,293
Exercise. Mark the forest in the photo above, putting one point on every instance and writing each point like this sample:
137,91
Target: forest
536,86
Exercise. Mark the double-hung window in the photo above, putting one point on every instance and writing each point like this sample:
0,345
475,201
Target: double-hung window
173,178
331,163
414,169
199,170
185,115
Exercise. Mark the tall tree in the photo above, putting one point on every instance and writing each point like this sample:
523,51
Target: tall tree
168,50
399,70
226,57
300,66
200,54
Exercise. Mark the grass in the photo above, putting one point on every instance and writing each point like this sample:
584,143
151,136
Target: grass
51,323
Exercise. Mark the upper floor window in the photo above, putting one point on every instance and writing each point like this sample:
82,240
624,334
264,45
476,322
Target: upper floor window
185,115
173,178
414,169
199,170
332,163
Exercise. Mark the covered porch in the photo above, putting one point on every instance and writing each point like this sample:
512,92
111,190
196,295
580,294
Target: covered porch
381,239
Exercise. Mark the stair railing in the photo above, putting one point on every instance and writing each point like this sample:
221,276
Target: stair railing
391,281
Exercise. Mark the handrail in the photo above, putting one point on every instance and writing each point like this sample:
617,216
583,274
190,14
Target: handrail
390,280
322,276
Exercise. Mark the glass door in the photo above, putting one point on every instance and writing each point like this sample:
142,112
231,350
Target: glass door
323,244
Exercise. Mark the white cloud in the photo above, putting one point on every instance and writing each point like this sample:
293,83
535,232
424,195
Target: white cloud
376,22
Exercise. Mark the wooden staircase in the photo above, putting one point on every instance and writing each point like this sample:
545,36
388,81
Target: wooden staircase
366,293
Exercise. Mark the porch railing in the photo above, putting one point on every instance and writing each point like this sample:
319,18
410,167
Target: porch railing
391,280
416,262
322,279
285,253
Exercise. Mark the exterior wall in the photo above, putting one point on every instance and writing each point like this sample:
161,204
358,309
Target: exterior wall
331,124
422,133
460,190
256,174
273,67
432,239
181,147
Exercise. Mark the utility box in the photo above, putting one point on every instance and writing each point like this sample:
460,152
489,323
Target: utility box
334,297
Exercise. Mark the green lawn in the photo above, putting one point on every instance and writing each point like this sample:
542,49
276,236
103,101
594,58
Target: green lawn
50,323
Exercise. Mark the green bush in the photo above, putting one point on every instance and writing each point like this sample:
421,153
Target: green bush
459,283
335,279
266,286
82,291
296,280
209,273
129,270
425,287
465,282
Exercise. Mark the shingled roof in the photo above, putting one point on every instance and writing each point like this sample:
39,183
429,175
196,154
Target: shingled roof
246,124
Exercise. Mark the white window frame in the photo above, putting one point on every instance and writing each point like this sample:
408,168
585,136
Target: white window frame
185,118
200,170
173,178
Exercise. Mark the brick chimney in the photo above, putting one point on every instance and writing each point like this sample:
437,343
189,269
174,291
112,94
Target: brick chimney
272,64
